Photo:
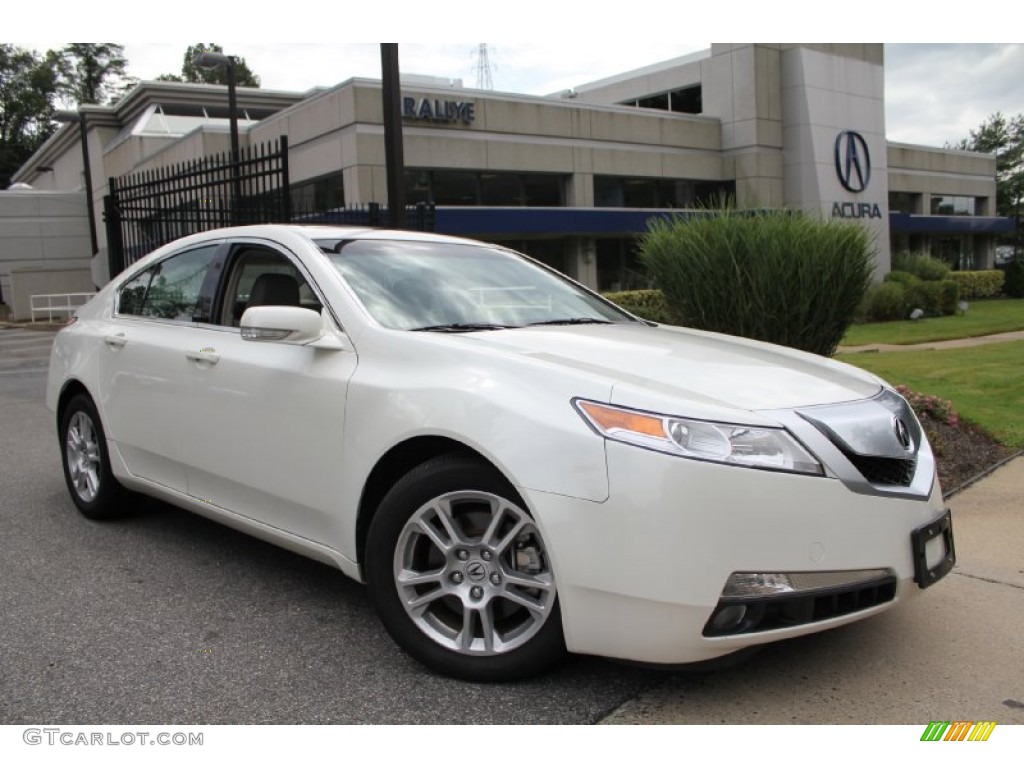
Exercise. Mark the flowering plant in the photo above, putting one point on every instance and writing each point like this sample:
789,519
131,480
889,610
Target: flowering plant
930,405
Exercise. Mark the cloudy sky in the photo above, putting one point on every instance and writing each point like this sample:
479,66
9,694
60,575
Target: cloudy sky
935,93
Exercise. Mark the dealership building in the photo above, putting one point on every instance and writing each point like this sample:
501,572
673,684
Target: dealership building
570,178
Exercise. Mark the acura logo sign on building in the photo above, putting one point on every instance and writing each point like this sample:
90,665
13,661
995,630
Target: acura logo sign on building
853,167
853,161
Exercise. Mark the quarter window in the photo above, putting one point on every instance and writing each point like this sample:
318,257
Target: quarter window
170,289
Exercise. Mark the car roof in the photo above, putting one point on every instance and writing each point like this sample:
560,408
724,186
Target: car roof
310,232
332,232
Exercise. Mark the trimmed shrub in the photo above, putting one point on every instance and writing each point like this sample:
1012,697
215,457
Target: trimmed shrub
648,304
949,297
780,277
921,265
896,276
895,300
923,295
979,284
887,301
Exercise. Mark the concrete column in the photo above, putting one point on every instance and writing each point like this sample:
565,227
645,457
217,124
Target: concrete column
582,258
580,191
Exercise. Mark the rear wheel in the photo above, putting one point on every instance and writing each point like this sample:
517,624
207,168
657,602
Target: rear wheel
460,574
93,488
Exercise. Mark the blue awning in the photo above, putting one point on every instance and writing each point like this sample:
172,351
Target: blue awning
912,223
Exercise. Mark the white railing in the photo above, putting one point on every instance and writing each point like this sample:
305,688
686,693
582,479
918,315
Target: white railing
63,304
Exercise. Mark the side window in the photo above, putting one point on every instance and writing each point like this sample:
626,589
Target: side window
262,277
133,294
170,289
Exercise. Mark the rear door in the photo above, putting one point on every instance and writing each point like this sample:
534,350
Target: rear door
144,362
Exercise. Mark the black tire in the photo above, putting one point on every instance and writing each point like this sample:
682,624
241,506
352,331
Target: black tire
502,582
83,446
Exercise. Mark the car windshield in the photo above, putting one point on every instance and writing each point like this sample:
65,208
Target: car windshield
437,286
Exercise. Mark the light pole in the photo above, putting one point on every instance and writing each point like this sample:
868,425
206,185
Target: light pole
394,159
67,116
209,60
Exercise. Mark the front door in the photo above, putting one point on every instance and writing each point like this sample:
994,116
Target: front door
264,436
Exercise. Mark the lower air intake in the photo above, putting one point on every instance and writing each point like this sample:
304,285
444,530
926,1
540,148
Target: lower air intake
735,616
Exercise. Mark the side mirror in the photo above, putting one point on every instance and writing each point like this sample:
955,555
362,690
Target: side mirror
290,325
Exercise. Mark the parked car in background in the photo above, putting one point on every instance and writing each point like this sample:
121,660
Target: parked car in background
1004,254
513,465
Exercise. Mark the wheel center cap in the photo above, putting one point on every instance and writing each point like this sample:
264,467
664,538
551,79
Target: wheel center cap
476,571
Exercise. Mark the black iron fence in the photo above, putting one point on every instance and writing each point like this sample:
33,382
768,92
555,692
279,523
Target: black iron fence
148,209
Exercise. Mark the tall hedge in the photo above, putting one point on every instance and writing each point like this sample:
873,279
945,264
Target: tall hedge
781,277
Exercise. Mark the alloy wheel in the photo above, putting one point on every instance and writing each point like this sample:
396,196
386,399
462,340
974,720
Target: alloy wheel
472,573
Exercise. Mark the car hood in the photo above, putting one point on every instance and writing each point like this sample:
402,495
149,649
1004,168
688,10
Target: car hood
665,363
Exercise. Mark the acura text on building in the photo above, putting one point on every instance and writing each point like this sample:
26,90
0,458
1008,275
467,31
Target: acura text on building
856,211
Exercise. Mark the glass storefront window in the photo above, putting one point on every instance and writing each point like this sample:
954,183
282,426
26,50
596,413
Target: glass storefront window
321,194
627,192
904,202
444,187
952,205
618,265
455,188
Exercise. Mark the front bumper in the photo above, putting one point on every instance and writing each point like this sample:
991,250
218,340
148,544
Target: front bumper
641,574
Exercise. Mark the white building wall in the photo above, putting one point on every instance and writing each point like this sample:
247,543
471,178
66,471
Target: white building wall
47,234
823,95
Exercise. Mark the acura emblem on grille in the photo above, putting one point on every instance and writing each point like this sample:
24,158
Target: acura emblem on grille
902,433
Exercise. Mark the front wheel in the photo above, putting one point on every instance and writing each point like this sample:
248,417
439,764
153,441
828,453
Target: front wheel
93,488
460,574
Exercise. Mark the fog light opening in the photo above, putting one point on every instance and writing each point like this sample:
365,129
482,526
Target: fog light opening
729,618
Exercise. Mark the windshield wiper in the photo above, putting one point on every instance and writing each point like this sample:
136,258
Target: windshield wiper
574,321
463,327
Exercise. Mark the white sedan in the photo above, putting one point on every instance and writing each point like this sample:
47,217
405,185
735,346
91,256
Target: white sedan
514,466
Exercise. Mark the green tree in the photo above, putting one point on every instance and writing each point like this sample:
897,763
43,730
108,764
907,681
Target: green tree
28,84
92,73
1004,137
190,73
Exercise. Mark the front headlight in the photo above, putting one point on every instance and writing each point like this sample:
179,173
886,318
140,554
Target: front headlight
738,444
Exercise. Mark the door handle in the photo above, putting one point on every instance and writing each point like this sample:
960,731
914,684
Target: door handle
203,356
116,341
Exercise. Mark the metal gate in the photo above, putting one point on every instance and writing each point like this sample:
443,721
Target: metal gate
148,209
151,208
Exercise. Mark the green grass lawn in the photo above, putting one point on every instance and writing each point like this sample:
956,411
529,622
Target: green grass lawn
983,318
985,383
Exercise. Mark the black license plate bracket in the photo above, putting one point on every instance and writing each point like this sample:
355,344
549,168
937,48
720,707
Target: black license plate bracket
942,527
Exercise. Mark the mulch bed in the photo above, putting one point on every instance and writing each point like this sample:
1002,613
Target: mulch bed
961,452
